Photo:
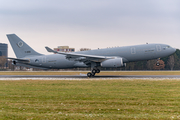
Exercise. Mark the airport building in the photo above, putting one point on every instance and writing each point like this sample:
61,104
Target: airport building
3,49
4,52
64,49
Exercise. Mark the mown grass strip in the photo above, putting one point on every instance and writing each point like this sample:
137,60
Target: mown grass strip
102,99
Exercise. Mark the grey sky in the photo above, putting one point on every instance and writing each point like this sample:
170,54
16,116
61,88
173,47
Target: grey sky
90,23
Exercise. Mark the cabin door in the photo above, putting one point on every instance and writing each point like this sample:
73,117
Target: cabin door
133,50
43,59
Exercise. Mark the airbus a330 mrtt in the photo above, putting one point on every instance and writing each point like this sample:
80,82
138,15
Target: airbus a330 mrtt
96,59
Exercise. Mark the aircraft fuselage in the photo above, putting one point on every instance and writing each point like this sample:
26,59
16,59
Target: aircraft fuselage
128,54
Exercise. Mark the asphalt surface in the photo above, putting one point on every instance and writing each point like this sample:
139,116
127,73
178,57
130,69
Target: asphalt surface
84,76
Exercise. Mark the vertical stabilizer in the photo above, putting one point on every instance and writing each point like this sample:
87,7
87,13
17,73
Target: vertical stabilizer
21,49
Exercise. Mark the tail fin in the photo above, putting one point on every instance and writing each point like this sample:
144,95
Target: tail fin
21,49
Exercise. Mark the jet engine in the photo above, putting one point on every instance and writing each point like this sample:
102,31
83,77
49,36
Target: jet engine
117,62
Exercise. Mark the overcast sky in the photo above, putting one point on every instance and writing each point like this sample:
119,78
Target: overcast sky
90,23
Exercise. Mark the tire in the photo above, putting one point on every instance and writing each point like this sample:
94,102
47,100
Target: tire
97,71
94,71
89,74
93,74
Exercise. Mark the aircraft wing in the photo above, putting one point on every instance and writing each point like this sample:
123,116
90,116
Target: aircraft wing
81,57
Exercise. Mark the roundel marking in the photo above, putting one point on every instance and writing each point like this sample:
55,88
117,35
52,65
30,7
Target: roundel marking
20,43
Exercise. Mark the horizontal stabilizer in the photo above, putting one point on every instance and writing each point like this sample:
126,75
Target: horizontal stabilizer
20,60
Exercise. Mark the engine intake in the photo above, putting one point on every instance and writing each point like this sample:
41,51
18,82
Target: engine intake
114,63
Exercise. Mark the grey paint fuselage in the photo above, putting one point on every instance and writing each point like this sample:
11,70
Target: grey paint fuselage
128,53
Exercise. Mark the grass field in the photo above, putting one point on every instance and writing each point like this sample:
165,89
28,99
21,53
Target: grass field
90,99
85,72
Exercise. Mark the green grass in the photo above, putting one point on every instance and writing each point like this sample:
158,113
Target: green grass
90,99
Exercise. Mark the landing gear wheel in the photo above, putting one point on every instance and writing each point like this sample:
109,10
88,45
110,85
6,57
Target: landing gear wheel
93,74
97,71
89,74
157,64
94,71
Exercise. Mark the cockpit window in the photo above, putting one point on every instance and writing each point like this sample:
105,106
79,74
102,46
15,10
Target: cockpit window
167,46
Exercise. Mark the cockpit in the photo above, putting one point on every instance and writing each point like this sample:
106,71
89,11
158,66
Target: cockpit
168,46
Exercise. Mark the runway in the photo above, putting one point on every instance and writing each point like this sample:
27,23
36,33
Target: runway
83,77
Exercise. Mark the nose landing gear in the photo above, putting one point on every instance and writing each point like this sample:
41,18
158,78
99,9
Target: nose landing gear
157,63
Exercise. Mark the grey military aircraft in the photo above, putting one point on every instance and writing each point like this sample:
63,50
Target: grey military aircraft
109,57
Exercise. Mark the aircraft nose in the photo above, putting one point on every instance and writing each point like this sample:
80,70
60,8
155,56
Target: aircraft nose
173,50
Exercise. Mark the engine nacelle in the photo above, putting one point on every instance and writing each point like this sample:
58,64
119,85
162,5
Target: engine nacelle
117,62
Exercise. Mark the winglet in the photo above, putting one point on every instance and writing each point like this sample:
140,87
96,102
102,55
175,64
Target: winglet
50,50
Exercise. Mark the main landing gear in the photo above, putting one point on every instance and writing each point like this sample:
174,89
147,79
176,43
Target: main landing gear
93,72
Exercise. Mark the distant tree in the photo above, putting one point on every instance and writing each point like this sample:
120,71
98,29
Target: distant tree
130,66
177,60
171,62
10,65
3,61
140,65
150,64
